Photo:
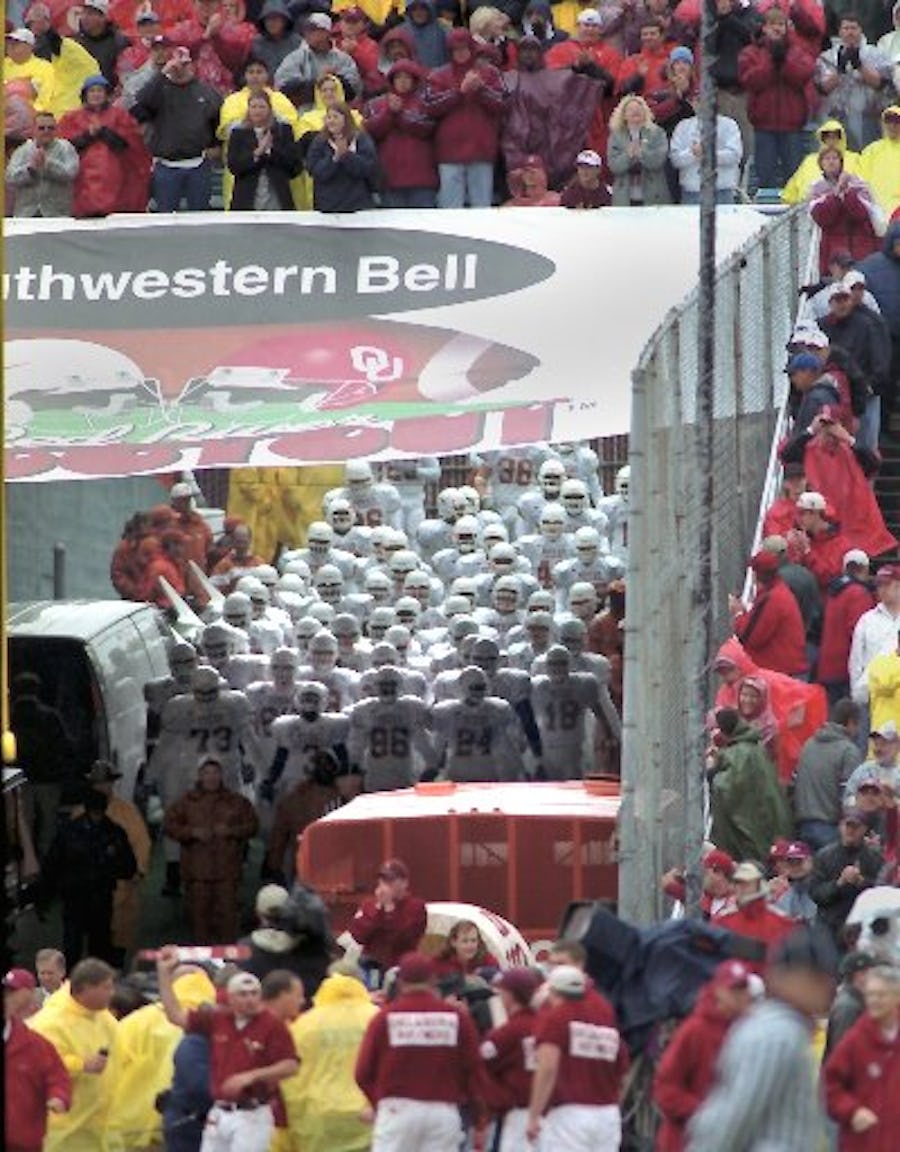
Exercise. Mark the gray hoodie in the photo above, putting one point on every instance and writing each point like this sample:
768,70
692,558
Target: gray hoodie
826,761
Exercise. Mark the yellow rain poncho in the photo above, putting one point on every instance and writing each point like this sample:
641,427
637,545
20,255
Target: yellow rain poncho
234,111
323,1102
146,1045
41,75
797,188
309,125
77,1033
377,10
880,168
71,68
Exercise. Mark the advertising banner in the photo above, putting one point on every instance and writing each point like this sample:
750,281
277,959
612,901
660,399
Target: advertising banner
150,344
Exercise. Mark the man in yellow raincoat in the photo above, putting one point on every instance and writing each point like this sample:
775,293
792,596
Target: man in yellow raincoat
880,163
78,1023
323,1101
20,63
146,1046
71,63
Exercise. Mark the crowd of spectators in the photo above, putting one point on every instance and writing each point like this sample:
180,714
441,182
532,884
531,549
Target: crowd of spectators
525,104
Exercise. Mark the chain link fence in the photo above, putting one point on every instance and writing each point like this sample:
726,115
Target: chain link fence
755,305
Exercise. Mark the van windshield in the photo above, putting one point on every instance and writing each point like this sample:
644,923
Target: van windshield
55,708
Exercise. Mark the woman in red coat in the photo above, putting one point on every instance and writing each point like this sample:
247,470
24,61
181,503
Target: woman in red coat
845,210
687,1069
465,951
862,1074
403,132
114,164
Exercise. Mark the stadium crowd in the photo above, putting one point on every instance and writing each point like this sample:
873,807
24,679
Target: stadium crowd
111,107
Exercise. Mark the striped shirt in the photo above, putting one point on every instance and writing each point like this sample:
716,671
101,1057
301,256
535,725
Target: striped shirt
765,1097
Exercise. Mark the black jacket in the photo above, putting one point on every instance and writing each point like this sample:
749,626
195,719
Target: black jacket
87,858
343,185
866,338
280,166
105,49
835,900
184,116
732,34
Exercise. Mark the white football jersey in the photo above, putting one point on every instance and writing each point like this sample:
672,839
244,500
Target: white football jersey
546,553
560,708
342,685
479,740
616,511
432,536
300,738
190,730
377,504
384,739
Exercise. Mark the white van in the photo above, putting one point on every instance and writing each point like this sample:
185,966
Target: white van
77,671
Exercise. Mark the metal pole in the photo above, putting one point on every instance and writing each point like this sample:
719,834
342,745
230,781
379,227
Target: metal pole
702,591
59,571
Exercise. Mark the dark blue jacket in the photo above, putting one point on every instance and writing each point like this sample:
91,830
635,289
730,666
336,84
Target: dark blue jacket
882,272
343,185
188,1101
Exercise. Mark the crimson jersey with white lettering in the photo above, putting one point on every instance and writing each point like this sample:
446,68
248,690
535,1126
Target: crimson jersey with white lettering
508,1053
384,739
301,738
480,740
593,1057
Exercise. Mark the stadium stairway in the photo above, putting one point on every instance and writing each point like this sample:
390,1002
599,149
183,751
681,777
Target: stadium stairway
887,485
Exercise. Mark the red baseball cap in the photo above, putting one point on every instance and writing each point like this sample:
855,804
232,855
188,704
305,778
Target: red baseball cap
415,968
522,983
778,851
19,980
732,974
719,861
797,850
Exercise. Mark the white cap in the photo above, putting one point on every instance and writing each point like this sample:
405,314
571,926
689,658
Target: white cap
271,898
590,17
180,490
811,335
319,20
811,502
100,5
567,980
23,35
839,288
855,556
243,982
854,277
589,158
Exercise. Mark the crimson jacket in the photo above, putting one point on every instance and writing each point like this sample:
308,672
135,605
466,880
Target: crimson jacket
847,600
825,558
33,1074
404,138
845,220
777,92
772,630
687,1070
385,936
421,1048
508,1054
760,922
468,130
863,1071
114,164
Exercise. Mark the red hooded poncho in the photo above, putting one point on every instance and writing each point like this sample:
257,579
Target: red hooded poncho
832,469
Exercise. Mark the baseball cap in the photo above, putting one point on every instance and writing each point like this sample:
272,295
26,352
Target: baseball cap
393,869
778,849
838,288
887,730
867,777
533,161
748,870
99,5
591,18
887,572
180,490
147,17
522,983
810,335
19,980
855,556
589,158
803,362
319,20
775,544
764,563
853,815
854,277
271,898
567,980
798,850
681,53
23,35
811,502
243,982
719,861
731,974
415,968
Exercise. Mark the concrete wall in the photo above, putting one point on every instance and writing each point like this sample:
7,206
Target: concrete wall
86,516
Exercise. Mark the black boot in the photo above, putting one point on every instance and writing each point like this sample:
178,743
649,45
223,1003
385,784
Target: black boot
172,885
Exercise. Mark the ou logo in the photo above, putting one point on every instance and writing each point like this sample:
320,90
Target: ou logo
375,364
